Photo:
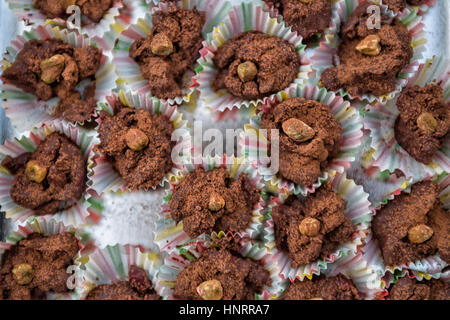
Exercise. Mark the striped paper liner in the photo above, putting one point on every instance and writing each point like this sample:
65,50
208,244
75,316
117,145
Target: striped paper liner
111,264
103,176
430,267
23,108
86,210
169,235
175,262
47,226
128,70
326,54
243,18
357,209
252,145
386,153
26,11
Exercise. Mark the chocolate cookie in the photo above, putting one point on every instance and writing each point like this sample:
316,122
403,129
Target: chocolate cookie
50,68
309,138
423,122
399,5
311,229
369,59
170,50
50,179
321,288
139,287
410,289
138,144
307,18
209,201
37,266
253,65
92,9
413,226
221,274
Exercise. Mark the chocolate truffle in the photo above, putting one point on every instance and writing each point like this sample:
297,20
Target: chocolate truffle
321,288
369,59
253,65
309,137
50,68
208,201
36,266
313,228
307,18
170,50
139,287
50,179
221,274
413,226
423,122
410,289
91,9
138,144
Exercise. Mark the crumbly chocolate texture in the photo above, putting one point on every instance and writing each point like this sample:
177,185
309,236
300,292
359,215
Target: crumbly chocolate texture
302,162
190,202
410,289
399,5
165,72
92,9
335,228
141,169
49,257
64,182
139,287
241,278
76,64
332,288
392,223
359,73
276,60
308,19
413,102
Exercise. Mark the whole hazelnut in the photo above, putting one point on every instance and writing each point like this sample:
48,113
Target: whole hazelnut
23,273
161,45
216,202
35,172
247,71
370,45
210,290
136,139
309,227
52,68
420,233
297,130
427,123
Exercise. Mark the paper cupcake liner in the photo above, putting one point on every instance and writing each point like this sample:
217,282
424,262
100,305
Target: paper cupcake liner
86,210
26,11
177,261
103,176
430,267
169,235
357,209
111,264
243,18
47,226
253,145
23,108
386,153
128,70
325,55
327,32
